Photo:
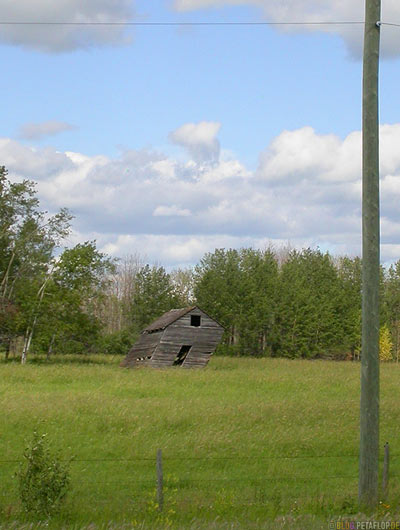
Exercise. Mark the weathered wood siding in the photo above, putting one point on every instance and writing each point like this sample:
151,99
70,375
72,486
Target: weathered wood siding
144,347
203,339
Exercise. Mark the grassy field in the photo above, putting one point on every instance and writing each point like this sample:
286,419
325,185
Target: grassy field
247,443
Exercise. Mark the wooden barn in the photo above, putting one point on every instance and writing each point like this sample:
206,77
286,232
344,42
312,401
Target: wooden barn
181,337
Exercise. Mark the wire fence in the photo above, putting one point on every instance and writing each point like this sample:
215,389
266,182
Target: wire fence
182,457
176,482
203,492
169,460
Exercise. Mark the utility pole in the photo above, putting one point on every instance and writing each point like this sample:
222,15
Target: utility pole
369,409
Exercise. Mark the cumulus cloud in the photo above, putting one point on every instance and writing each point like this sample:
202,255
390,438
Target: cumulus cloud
306,191
166,211
37,131
200,140
171,250
61,38
30,162
317,11
303,154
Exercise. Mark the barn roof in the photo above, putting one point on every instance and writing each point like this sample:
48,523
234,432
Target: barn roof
167,318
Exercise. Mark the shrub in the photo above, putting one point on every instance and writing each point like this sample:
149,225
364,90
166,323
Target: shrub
385,344
118,343
43,478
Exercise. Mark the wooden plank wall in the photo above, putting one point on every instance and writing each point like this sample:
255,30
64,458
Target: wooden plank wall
203,339
144,347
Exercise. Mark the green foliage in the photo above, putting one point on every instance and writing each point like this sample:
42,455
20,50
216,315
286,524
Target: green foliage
217,288
307,307
28,239
56,304
117,343
349,275
43,479
154,294
68,319
238,288
310,315
83,268
183,285
391,305
259,279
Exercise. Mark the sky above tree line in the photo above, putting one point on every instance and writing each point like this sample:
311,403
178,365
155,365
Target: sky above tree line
171,141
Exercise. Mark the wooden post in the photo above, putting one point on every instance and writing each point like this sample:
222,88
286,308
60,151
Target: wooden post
385,476
160,493
369,406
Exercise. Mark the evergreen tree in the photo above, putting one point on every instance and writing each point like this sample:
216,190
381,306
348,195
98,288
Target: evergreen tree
349,272
238,288
218,290
258,279
309,315
391,305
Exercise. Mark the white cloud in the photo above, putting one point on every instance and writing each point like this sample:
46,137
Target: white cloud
166,211
37,131
172,250
30,162
60,38
305,155
307,190
317,11
200,140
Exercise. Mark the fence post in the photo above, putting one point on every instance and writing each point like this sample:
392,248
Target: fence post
385,477
160,493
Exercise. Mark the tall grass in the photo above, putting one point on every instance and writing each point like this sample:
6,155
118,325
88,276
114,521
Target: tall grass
245,441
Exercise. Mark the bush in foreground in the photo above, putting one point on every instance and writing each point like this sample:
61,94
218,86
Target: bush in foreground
43,479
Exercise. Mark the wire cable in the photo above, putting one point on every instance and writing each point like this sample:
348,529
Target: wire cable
207,458
66,23
390,24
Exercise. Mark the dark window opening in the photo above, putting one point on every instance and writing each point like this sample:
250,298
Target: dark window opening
195,320
140,359
153,330
181,355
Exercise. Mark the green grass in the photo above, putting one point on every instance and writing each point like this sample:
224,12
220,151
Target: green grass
247,443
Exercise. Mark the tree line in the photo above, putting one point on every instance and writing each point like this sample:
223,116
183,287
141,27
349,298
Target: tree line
281,303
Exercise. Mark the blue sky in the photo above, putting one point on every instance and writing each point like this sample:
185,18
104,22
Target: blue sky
171,141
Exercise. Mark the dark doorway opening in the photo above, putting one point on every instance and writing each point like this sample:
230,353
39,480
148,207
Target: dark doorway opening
181,355
195,320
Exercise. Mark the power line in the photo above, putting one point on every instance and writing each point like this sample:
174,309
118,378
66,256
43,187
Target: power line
67,23
390,24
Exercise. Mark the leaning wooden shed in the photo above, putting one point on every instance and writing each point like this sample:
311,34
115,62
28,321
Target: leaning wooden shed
181,337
